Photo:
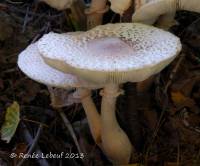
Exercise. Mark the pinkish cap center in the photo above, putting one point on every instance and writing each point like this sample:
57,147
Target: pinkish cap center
109,47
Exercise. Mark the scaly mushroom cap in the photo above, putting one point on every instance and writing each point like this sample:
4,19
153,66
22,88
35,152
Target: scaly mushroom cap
112,53
32,64
119,6
59,4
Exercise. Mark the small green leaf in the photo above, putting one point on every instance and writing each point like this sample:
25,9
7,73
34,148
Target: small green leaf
11,122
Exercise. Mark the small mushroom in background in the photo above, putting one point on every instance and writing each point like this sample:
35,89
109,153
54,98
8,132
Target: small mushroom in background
163,11
95,13
119,6
32,64
77,8
140,3
112,54
164,20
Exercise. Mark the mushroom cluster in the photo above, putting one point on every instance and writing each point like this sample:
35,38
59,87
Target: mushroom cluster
103,57
163,11
78,8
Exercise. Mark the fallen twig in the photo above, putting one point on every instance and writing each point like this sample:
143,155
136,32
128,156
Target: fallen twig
33,143
26,18
172,74
70,128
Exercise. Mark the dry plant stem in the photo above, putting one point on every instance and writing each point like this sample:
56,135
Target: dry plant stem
33,143
70,128
92,114
173,73
56,106
77,10
95,13
115,142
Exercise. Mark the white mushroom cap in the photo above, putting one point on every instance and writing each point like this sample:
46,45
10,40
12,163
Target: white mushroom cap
59,4
32,64
112,53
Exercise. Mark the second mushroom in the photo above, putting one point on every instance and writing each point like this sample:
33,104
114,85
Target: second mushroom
32,64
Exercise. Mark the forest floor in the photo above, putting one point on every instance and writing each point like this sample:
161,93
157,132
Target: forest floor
164,121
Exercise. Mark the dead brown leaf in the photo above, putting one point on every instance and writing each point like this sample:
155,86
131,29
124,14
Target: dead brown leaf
181,101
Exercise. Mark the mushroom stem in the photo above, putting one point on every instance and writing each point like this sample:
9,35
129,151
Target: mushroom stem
115,142
95,13
91,112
